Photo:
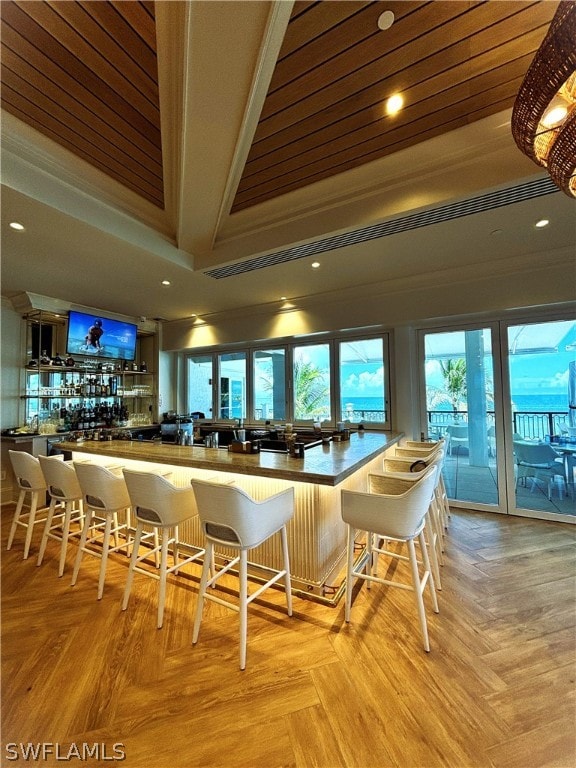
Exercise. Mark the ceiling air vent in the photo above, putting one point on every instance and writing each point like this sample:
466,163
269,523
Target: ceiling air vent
486,202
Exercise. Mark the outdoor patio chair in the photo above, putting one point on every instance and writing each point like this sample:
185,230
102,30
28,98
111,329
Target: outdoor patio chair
538,461
457,436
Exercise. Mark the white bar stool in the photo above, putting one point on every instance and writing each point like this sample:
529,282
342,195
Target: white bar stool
231,518
397,515
158,503
66,494
105,495
415,463
432,527
30,480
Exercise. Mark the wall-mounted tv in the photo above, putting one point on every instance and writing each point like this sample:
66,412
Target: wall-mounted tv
100,336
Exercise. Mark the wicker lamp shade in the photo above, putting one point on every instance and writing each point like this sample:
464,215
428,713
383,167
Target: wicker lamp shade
551,81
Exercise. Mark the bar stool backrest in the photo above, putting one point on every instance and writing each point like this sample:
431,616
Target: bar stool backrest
158,501
101,488
61,478
397,511
28,471
421,453
414,463
231,516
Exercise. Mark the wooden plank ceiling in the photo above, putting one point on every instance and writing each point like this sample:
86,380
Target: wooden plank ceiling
85,74
454,63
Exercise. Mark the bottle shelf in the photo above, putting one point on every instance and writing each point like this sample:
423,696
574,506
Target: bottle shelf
63,390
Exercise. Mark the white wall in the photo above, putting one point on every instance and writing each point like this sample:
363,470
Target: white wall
533,280
12,329
530,280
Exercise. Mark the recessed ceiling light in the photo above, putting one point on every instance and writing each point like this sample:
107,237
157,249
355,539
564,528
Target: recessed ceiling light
17,226
394,104
385,20
315,264
165,282
542,223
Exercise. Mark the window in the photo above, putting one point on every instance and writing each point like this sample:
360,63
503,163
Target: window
232,385
200,384
269,384
339,379
311,383
363,381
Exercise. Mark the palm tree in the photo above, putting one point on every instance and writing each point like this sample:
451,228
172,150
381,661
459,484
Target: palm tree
310,391
454,373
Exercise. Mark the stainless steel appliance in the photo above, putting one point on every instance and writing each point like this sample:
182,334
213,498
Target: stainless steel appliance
177,429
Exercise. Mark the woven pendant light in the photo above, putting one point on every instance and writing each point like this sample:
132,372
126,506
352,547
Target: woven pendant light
544,113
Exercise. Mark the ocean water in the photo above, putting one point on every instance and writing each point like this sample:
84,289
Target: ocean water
532,403
540,403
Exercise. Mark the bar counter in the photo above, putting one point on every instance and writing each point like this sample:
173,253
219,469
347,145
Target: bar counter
322,464
316,535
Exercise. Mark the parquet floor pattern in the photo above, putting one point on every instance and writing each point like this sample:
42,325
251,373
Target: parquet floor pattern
497,689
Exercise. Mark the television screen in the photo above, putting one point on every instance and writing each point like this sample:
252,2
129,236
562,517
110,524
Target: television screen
100,336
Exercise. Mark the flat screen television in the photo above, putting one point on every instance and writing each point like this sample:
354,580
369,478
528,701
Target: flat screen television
100,336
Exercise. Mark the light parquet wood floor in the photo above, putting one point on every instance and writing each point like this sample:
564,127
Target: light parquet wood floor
497,689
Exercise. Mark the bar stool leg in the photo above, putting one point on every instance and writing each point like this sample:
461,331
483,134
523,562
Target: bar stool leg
47,527
349,569
115,518
287,581
30,529
206,567
156,549
65,535
16,517
433,555
163,566
105,548
243,608
431,583
175,548
132,565
82,545
418,593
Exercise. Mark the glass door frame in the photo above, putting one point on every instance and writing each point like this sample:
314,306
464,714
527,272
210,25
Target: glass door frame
505,325
493,327
505,465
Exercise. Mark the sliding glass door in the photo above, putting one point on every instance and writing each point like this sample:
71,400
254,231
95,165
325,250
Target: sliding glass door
541,361
504,398
459,385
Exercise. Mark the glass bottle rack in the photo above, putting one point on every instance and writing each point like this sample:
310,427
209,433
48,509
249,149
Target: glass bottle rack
91,394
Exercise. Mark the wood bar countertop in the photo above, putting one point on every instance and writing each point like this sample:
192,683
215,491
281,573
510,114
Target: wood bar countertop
323,464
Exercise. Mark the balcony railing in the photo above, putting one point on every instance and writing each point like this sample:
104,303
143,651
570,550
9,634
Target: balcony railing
529,424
